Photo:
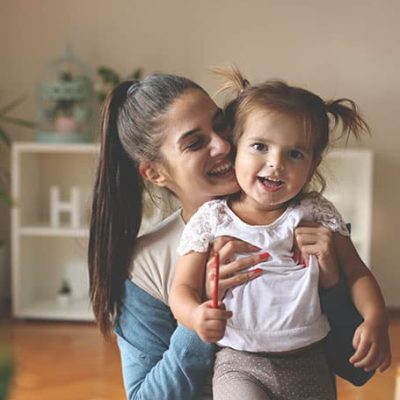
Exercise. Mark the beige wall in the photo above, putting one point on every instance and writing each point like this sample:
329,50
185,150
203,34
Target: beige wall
340,48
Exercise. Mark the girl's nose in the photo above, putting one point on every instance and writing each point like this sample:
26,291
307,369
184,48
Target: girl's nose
219,146
276,161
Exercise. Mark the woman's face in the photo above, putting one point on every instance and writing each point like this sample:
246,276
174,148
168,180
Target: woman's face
196,155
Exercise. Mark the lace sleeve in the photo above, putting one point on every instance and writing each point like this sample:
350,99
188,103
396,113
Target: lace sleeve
199,231
325,213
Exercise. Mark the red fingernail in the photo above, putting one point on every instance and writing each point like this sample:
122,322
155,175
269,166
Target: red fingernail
264,256
257,270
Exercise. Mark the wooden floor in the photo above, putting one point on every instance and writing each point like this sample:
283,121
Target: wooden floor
70,361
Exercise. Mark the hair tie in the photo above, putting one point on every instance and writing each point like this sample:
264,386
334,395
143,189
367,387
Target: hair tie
245,84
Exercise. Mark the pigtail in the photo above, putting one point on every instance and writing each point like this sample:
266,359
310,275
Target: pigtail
233,80
345,113
115,217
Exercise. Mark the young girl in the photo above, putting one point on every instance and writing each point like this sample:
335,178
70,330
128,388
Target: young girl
272,332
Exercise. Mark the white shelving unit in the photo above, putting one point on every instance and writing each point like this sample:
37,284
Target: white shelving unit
349,175
42,254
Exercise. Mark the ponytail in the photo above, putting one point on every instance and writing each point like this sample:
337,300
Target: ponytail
345,111
131,132
116,215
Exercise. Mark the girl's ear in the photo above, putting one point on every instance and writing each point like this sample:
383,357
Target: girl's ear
153,172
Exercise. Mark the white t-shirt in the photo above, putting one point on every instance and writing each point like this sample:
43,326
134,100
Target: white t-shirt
280,310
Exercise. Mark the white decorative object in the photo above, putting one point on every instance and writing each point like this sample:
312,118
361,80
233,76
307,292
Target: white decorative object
57,207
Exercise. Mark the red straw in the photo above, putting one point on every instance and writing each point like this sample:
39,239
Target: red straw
216,280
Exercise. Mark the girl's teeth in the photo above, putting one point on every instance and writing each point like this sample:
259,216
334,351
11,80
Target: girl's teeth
271,181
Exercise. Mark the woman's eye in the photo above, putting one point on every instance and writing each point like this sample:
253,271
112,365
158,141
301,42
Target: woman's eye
194,144
259,146
296,155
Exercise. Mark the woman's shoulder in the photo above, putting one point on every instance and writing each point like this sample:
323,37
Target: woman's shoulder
161,234
154,257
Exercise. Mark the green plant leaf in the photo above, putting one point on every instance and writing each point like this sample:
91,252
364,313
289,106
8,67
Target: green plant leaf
108,76
137,74
4,137
18,121
5,197
5,109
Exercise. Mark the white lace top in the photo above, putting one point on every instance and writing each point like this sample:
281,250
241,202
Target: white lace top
280,310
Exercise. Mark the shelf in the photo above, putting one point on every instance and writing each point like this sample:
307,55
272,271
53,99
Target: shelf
75,310
45,230
73,148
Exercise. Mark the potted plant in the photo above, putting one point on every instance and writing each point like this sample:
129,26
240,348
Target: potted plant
64,293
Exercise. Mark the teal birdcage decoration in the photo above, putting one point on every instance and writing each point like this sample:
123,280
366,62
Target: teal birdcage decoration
65,98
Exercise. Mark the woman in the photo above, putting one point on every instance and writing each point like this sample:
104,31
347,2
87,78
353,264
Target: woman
166,131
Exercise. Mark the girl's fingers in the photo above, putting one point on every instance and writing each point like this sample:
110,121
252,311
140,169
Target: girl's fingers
368,354
370,359
362,348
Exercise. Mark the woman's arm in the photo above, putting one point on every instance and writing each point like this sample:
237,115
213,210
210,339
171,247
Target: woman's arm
159,359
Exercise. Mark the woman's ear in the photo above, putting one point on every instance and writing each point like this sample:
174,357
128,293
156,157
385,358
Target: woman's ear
153,172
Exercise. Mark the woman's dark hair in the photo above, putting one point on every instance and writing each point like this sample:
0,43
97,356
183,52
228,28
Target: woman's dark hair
321,119
131,132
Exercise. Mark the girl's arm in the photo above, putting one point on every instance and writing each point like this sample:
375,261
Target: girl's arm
159,359
186,299
371,339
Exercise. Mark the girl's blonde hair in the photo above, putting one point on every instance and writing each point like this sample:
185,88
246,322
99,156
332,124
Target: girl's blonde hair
323,121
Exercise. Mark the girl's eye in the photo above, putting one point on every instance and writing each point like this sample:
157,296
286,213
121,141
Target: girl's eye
296,155
259,146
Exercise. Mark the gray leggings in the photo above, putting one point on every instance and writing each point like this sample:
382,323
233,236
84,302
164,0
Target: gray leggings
305,375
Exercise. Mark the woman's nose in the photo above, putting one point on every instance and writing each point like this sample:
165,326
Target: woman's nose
219,146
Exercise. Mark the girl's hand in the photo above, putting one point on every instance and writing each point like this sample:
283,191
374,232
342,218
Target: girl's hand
371,341
209,323
313,238
231,272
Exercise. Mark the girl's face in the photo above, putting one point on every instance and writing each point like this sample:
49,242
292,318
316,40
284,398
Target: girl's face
274,160
196,155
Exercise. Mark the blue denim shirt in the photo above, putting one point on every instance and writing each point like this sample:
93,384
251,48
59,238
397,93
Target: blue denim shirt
160,359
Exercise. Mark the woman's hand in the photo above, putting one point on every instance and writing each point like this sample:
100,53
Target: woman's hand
312,238
371,341
210,323
231,273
